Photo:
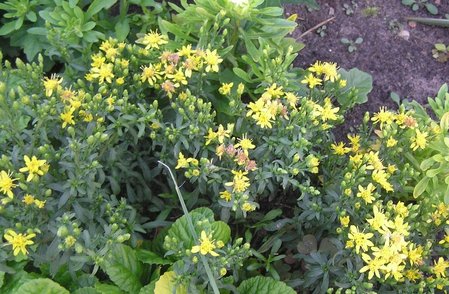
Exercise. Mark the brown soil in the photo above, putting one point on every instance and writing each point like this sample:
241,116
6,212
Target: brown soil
397,64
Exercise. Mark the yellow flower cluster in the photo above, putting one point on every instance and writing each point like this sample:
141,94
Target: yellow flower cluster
387,249
190,163
320,72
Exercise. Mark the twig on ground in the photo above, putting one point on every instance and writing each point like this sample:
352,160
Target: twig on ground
317,26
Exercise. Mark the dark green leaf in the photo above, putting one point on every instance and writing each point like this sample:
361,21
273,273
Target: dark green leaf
264,285
7,28
97,6
122,29
359,80
123,268
41,286
150,257
432,9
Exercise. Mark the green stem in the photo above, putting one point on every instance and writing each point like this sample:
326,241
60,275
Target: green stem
192,230
123,8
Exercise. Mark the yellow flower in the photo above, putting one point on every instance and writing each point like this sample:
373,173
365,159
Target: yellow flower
342,83
34,167
206,245
240,89
105,72
366,193
7,183
292,99
28,199
344,221
69,241
19,241
360,239
328,112
383,117
355,142
412,275
150,74
212,60
67,117
415,255
379,176
223,272
245,144
226,196
340,149
372,265
182,161
97,60
419,140
264,119
51,84
272,92
439,269
223,133
152,40
39,203
317,68
240,181
225,88
247,207
311,81
330,71
379,222
391,142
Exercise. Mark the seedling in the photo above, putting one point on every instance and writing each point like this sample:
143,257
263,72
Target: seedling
371,11
395,26
350,8
441,52
415,5
321,31
352,45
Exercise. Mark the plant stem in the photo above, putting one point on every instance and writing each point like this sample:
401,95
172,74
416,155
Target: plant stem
192,230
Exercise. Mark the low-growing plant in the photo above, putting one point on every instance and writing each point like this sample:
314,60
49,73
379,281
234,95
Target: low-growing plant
415,5
321,31
370,11
440,52
350,8
352,44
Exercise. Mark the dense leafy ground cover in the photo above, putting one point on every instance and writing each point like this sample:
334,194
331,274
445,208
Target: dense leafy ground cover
173,147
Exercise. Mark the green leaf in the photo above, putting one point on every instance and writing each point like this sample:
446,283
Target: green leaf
108,289
122,29
148,289
168,27
123,268
264,285
86,290
420,187
395,97
432,9
359,80
97,6
7,28
2,278
166,285
408,2
221,231
440,47
180,229
242,74
150,257
41,286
